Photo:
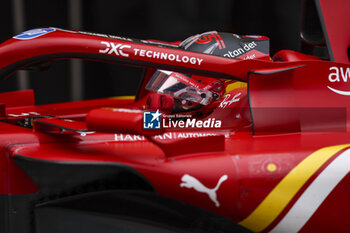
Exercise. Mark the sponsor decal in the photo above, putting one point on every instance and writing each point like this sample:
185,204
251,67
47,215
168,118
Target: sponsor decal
34,33
188,181
151,120
252,55
118,50
167,56
339,75
227,101
242,50
165,136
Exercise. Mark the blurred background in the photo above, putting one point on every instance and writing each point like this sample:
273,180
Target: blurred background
147,19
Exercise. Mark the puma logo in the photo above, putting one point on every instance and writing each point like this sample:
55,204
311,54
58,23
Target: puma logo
191,182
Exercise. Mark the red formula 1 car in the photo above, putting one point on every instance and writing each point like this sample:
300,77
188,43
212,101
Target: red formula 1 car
218,139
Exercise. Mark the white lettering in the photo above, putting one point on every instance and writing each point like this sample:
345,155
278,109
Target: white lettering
128,137
139,138
217,124
149,54
206,124
190,123
171,57
168,135
346,75
336,74
121,50
227,102
156,55
158,137
249,57
199,124
118,137
117,49
104,50
114,49
237,52
181,124
142,52
249,46
165,125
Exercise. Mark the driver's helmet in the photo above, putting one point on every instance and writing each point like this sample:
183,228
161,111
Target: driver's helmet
189,94
197,94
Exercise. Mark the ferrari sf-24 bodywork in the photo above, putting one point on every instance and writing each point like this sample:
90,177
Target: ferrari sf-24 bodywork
272,155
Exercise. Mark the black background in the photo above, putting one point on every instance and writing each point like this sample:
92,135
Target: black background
147,19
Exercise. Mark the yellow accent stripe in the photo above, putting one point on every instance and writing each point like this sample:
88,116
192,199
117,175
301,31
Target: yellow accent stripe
235,85
282,194
125,97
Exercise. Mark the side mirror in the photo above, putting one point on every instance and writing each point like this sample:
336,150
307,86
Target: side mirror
119,120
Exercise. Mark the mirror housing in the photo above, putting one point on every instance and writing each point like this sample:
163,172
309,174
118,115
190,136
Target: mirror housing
119,120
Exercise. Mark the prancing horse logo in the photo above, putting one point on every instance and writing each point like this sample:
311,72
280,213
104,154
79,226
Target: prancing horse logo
191,182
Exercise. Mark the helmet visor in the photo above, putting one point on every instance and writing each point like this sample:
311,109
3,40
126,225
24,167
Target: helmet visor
179,86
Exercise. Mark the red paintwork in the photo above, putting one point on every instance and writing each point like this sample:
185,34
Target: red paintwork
337,27
67,44
336,202
290,55
243,155
18,98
